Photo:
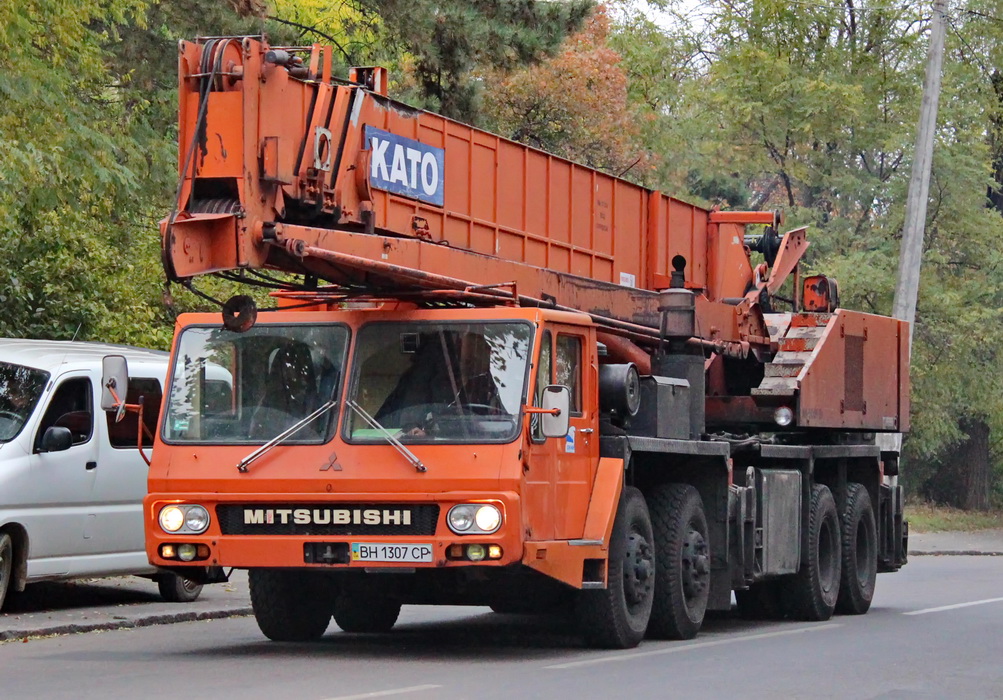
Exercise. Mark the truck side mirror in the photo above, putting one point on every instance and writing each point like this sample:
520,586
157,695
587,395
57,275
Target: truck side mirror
56,438
557,397
114,384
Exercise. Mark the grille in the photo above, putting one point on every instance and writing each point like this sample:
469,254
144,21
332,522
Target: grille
327,519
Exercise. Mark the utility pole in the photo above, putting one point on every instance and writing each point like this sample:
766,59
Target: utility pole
911,252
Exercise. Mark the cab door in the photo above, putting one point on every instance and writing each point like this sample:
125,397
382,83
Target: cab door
540,461
60,527
578,454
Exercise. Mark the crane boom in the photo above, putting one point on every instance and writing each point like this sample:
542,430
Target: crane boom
279,163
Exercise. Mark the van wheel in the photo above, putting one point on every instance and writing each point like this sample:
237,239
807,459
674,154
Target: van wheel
682,552
176,589
812,591
6,566
617,617
860,552
291,606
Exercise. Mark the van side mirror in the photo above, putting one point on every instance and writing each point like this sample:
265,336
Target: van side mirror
556,424
56,438
114,384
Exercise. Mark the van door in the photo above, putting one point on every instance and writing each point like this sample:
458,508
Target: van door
122,477
62,523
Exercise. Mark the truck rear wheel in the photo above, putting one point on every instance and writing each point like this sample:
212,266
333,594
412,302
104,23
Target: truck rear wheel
682,557
354,612
811,593
860,552
291,606
617,617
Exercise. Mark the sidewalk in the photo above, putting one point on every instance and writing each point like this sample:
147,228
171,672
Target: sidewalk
114,603
978,542
102,604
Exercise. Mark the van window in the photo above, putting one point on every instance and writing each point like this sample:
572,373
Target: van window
20,389
71,407
124,433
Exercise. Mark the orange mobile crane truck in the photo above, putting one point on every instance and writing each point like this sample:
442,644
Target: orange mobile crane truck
496,377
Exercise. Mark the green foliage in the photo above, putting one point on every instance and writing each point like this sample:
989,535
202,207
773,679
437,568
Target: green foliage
88,164
813,107
442,44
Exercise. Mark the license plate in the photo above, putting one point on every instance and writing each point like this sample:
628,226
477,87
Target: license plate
379,551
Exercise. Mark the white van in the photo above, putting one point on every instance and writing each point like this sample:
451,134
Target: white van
72,478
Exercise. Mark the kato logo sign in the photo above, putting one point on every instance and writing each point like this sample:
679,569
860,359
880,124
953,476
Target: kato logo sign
405,166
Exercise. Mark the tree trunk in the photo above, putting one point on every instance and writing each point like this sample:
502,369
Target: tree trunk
962,481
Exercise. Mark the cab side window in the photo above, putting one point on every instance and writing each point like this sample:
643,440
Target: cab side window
569,368
544,372
72,407
124,434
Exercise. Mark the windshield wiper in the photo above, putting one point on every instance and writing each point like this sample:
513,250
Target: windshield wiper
294,428
397,444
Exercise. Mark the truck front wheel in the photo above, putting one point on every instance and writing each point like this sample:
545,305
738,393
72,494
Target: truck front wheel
617,617
291,606
812,591
860,552
355,612
682,554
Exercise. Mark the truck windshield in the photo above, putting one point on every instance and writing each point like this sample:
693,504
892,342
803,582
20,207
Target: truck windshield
249,387
439,382
20,388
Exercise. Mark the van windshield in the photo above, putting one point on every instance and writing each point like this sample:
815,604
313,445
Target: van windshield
439,382
230,388
20,389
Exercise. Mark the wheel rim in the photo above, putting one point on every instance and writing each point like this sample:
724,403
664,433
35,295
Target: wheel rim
638,569
189,585
695,565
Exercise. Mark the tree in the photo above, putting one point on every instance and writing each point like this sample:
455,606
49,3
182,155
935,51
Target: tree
812,107
443,44
574,104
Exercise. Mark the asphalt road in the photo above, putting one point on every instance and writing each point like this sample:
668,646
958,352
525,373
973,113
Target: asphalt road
933,632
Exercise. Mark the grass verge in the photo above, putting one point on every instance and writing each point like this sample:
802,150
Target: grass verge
924,517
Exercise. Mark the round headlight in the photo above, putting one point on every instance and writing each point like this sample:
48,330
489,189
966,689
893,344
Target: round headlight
488,518
461,518
187,552
172,518
476,552
783,416
197,519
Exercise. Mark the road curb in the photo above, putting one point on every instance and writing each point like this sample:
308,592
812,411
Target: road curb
956,553
143,621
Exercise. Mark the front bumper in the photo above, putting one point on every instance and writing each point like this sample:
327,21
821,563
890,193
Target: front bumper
302,530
